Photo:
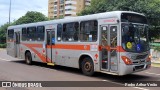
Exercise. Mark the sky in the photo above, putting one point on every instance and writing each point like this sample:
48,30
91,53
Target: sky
20,7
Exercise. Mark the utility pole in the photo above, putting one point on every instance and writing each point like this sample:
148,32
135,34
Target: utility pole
10,12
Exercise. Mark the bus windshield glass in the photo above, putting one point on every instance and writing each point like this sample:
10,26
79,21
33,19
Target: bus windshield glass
135,37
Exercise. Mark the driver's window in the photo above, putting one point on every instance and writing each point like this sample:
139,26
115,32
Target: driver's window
127,34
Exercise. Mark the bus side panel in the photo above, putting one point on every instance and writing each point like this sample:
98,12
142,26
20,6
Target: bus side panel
67,58
36,51
70,58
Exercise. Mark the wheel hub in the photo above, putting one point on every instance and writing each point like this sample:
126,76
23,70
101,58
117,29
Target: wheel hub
87,66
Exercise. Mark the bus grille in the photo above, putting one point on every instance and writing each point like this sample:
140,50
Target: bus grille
141,56
139,67
139,62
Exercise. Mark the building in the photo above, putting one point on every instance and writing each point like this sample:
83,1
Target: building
64,8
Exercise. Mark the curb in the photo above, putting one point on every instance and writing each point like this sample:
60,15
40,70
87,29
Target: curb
2,48
154,64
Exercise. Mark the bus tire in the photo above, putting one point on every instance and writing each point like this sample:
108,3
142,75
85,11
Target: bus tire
87,66
28,58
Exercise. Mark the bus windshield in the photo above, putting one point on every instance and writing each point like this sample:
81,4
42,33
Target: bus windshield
133,18
135,37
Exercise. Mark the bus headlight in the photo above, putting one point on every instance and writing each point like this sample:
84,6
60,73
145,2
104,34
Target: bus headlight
126,60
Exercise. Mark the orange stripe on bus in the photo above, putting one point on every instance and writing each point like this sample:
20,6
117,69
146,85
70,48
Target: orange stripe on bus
34,45
118,48
114,48
41,56
72,47
76,47
62,46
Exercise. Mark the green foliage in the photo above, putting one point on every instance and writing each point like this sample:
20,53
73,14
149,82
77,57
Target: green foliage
151,8
157,48
3,45
3,29
31,17
60,17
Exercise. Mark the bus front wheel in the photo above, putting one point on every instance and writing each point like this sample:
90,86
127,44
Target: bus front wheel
87,66
28,58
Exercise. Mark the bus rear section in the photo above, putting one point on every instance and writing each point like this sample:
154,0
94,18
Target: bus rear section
13,42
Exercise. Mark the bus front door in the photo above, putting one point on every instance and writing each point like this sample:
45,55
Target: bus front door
109,60
17,44
49,46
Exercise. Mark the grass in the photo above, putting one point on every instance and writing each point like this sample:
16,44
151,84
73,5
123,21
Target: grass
3,45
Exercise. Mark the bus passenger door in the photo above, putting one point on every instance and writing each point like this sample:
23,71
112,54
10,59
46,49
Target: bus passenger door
109,60
17,44
113,48
104,43
49,45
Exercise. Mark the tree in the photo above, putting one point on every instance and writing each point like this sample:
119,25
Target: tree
31,17
148,7
3,29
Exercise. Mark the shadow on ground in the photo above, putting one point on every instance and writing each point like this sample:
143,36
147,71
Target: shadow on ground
113,78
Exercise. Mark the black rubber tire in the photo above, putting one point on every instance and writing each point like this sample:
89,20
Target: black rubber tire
28,58
87,66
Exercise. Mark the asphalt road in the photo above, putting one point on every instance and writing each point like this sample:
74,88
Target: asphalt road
12,69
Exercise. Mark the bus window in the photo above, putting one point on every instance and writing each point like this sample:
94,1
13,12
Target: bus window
70,31
40,33
31,33
88,32
104,36
59,32
10,35
50,37
113,36
24,34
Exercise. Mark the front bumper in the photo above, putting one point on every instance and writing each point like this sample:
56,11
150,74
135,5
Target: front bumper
128,69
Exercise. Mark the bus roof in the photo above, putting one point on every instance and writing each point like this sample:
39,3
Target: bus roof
74,19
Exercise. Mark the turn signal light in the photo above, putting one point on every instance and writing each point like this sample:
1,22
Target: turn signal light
149,58
126,60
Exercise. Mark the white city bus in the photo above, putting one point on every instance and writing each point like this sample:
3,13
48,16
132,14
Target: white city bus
112,42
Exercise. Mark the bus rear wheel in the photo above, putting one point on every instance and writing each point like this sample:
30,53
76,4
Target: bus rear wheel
87,66
28,58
